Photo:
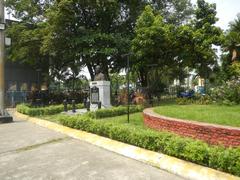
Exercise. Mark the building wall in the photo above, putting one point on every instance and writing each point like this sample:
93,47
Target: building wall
19,79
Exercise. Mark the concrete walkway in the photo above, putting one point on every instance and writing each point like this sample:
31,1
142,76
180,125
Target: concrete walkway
28,151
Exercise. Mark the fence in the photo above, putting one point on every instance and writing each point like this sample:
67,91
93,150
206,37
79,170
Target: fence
15,97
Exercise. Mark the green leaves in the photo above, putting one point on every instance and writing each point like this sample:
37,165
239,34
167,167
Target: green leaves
41,111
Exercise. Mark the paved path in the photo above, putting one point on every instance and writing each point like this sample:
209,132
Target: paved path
28,151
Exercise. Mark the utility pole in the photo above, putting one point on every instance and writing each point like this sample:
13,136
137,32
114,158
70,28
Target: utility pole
2,46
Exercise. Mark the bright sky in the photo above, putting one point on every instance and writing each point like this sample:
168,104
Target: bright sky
227,11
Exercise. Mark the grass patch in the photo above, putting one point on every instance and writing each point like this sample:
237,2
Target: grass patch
135,119
215,114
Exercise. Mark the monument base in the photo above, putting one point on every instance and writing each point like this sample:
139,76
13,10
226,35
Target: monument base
100,92
5,117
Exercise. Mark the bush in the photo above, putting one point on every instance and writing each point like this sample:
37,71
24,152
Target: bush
114,111
228,93
224,159
39,111
197,99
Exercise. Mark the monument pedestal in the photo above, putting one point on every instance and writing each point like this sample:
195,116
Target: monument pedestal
99,92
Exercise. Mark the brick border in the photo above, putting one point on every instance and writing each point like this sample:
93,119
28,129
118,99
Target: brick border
210,133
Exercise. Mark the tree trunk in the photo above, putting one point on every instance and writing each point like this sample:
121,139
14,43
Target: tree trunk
143,78
90,69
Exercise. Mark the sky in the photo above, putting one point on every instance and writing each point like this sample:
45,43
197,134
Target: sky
227,11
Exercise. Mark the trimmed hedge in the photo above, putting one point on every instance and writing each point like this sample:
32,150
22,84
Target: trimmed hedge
39,111
220,158
114,111
55,109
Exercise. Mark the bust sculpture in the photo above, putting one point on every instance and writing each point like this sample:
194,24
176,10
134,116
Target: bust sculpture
99,76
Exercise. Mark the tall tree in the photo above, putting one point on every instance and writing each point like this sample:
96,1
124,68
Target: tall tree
67,33
177,47
27,32
152,44
199,37
231,49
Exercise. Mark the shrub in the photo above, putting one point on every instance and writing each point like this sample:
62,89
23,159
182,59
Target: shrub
224,159
228,93
114,111
39,111
197,99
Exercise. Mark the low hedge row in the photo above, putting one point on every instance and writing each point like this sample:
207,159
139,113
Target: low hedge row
114,111
54,109
39,111
224,159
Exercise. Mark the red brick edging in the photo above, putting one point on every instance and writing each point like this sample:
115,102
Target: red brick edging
210,133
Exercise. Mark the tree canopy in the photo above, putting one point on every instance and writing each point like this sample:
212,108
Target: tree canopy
66,33
176,48
166,37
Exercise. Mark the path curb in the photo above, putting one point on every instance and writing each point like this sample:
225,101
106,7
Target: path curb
173,165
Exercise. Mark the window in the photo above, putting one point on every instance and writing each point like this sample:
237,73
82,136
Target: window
23,87
12,86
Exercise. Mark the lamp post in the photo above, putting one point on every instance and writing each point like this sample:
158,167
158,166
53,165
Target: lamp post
2,44
38,79
128,83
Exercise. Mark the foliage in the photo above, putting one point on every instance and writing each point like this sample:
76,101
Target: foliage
114,111
164,52
66,35
40,111
27,33
54,109
197,99
220,158
228,92
151,43
235,69
230,64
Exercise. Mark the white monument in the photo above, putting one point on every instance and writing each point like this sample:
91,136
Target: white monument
99,91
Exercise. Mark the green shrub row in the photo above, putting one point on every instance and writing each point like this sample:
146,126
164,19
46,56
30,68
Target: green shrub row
114,111
39,111
197,99
224,159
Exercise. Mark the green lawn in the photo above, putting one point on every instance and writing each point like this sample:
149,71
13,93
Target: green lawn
135,119
217,114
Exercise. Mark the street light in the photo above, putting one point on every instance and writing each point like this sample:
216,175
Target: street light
128,82
38,78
